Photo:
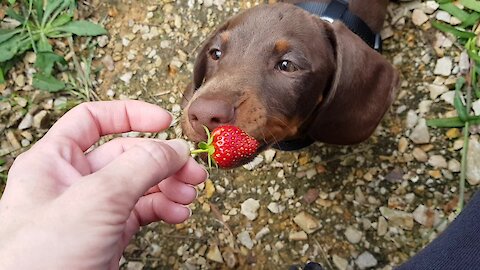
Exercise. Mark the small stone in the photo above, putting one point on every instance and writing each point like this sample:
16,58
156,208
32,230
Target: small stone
454,165
443,66
249,208
40,120
230,259
264,231
12,140
135,265
275,208
366,260
398,218
339,262
307,222
464,62
431,6
448,97
26,123
436,90
457,145
269,155
353,235
453,133
476,107
108,62
297,236
425,216
30,57
311,195
437,161
412,119
102,41
126,77
419,154
443,16
244,239
214,254
382,226
402,145
420,134
20,80
254,163
473,162
419,17
424,106
209,188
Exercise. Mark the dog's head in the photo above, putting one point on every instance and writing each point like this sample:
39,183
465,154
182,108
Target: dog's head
280,73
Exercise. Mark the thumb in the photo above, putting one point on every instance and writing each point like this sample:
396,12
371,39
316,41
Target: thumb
139,168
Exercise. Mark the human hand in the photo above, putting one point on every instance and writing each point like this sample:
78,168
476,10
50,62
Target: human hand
64,208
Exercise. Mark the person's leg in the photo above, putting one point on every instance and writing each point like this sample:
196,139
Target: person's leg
458,247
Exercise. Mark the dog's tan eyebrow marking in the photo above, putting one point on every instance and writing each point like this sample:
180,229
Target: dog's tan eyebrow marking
282,46
225,37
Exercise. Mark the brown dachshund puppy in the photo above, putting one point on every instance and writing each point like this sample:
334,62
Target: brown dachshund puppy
281,73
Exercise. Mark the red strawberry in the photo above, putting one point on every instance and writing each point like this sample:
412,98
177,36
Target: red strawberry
228,146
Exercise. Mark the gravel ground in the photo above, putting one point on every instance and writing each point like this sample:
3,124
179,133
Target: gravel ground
369,206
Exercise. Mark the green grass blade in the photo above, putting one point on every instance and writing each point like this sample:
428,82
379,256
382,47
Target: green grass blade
83,28
52,5
457,102
471,20
14,15
38,4
47,83
61,20
450,29
471,4
2,76
6,34
450,122
455,11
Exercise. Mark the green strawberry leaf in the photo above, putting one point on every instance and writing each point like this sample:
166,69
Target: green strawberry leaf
202,145
83,28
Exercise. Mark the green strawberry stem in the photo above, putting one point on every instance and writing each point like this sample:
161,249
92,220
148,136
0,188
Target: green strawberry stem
206,147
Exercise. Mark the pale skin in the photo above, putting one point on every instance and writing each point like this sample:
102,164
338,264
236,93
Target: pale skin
66,208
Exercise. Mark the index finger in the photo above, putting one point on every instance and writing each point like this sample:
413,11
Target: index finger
87,122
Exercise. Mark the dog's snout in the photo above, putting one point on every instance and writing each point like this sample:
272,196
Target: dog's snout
210,113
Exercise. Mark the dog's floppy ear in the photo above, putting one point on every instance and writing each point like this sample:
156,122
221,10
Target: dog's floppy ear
362,90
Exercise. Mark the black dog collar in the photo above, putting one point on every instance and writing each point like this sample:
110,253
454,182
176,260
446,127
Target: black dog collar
338,10
335,10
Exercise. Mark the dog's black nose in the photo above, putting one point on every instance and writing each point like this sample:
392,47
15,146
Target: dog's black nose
210,113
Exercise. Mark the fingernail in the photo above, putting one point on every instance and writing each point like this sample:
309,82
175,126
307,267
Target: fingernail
207,173
172,117
180,146
190,211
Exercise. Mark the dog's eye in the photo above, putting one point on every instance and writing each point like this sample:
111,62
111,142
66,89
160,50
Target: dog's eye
215,54
286,66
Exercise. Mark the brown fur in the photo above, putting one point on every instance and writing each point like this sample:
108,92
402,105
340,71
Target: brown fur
339,93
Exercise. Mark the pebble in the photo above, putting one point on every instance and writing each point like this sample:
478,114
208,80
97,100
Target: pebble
135,266
436,90
437,161
454,165
476,107
419,154
254,163
426,216
464,62
269,155
13,140
353,235
412,119
214,254
366,260
443,66
419,17
102,41
108,62
402,145
443,16
26,123
311,195
40,119
339,262
397,218
20,80
473,162
209,188
275,208
249,208
307,222
420,134
230,259
264,231
382,226
297,236
430,7
244,239
424,106
448,97
126,77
